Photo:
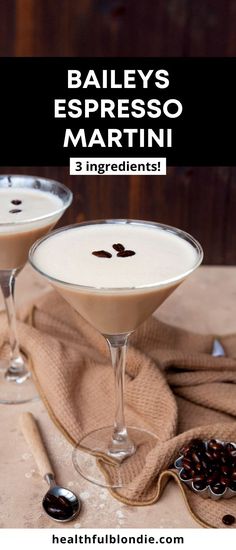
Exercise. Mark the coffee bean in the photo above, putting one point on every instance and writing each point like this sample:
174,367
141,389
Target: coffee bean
217,488
211,464
118,247
224,459
126,253
184,450
209,455
215,445
232,454
199,477
197,443
225,470
102,254
16,202
229,447
233,474
195,456
188,455
228,519
215,456
185,475
211,442
212,478
224,481
187,459
187,464
199,485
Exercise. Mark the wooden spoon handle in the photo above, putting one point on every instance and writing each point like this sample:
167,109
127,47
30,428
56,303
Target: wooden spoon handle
33,437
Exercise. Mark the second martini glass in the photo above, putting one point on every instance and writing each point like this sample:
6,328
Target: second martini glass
115,273
29,207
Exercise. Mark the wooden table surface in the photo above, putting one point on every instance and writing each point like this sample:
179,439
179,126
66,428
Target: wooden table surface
206,302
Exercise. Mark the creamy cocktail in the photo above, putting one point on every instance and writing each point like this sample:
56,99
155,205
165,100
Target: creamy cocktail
115,273
29,208
17,232
115,291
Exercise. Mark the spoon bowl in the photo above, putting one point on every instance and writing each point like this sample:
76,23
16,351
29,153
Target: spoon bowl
61,504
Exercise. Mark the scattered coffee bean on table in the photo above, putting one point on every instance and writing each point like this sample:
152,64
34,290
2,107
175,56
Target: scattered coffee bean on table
228,519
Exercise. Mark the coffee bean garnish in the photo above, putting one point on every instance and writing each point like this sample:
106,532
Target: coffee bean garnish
15,211
102,254
118,247
209,464
16,202
126,253
122,252
228,519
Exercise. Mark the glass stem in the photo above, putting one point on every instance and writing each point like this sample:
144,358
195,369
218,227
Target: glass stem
16,371
120,446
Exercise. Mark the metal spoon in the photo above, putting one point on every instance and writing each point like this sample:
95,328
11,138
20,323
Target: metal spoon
59,503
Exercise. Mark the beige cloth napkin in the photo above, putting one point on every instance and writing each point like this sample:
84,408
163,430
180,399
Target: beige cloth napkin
174,387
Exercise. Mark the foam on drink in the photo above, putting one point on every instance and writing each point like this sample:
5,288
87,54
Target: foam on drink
159,256
25,215
121,291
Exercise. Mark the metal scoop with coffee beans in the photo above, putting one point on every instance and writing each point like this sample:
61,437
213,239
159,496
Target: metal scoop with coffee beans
208,468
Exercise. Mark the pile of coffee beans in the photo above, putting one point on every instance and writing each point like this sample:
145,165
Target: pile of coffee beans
209,463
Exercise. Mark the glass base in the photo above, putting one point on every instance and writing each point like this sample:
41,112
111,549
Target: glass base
13,392
91,457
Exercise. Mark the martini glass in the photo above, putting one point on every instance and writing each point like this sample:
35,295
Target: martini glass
29,208
117,273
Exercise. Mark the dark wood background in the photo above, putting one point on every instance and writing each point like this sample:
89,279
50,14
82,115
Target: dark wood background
199,200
